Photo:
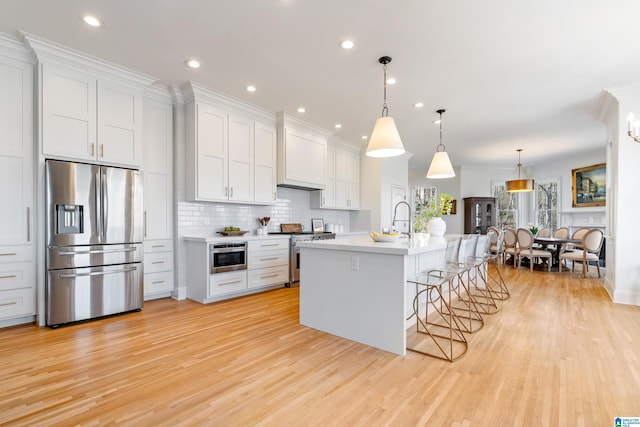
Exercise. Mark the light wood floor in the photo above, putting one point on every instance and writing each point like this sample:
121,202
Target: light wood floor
559,353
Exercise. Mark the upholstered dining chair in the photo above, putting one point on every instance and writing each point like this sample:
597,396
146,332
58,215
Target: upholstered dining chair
543,232
590,252
510,245
526,249
577,235
496,249
561,233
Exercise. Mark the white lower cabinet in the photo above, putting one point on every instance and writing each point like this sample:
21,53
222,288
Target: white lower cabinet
158,268
267,268
268,263
224,283
17,283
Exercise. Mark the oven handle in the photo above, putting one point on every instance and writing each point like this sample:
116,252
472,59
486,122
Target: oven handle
227,250
96,273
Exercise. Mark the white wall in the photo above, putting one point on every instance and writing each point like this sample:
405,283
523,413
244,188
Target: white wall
623,282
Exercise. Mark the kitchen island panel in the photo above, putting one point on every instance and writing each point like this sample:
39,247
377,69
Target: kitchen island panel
366,304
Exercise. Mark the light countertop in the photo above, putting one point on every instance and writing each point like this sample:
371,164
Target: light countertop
247,237
403,246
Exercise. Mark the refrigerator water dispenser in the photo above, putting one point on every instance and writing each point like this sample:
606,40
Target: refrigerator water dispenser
69,219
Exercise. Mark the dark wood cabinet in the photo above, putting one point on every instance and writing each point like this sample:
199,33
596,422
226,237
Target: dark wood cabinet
479,214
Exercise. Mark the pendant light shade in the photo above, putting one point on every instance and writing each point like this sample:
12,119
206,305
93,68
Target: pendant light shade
441,166
520,185
385,140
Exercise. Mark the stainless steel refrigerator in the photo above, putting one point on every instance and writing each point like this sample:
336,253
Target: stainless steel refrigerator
94,241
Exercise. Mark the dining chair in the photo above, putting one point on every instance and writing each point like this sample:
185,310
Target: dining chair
590,252
577,235
526,249
510,245
495,237
438,329
543,232
501,290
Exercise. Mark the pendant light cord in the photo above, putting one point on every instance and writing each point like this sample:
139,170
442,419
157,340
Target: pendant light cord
438,149
385,110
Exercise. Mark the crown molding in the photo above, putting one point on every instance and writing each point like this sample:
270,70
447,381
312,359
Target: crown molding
285,119
11,47
46,51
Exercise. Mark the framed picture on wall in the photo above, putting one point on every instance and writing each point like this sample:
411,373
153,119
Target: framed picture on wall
589,186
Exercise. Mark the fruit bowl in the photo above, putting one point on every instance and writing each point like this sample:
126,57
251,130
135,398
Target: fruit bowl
386,238
233,233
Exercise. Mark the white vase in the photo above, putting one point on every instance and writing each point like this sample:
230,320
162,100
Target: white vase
437,227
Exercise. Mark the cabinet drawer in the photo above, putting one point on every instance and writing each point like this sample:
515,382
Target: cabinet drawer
268,258
17,275
268,276
17,302
158,282
16,253
227,282
151,246
268,244
155,262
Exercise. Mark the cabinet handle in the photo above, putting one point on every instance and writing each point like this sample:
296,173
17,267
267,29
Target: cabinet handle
8,303
270,244
275,197
13,276
157,246
157,281
145,224
157,262
323,202
28,224
231,194
101,150
268,259
269,275
13,254
229,283
93,146
226,191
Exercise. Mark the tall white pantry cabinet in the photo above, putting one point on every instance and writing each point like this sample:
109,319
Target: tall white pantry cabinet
17,257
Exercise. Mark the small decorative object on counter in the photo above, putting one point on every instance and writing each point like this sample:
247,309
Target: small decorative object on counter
264,221
533,228
436,207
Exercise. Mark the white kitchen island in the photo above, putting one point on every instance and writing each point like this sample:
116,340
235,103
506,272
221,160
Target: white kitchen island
356,288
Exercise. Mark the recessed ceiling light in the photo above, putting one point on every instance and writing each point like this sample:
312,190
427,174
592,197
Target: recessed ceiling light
419,104
347,44
391,81
192,63
92,20
337,126
302,110
251,88
364,137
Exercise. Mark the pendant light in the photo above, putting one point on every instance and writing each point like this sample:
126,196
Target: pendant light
519,185
440,164
385,139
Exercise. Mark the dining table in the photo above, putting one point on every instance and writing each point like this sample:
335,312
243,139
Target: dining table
554,245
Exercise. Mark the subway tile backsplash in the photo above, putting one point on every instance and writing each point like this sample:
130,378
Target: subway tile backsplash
292,206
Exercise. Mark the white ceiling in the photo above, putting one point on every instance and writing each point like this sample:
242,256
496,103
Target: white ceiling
511,74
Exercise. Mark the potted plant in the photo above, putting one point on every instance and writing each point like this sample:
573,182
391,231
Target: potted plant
429,219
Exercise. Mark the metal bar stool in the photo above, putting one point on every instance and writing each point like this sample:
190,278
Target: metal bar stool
438,330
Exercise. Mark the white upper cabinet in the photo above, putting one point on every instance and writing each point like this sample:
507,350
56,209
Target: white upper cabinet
302,153
231,149
91,119
265,163
343,179
91,110
69,119
158,170
16,152
241,158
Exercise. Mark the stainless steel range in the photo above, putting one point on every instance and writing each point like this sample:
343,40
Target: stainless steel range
294,250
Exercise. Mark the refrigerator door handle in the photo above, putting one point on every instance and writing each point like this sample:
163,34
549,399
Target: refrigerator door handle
98,207
96,251
96,273
105,203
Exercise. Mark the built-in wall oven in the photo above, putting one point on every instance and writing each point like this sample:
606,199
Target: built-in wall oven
229,256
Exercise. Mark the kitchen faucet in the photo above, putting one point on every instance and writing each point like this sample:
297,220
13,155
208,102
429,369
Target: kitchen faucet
395,211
